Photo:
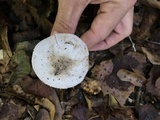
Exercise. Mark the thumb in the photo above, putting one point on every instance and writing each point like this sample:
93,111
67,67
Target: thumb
68,15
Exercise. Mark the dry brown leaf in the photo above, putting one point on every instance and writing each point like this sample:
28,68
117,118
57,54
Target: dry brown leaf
100,71
137,62
80,113
36,87
46,103
152,3
7,53
125,75
9,111
109,82
151,85
120,95
157,84
43,115
55,100
153,58
122,114
148,112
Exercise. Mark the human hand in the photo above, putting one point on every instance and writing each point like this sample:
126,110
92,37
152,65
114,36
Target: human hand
112,24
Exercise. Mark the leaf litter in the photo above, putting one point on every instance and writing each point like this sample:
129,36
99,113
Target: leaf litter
121,84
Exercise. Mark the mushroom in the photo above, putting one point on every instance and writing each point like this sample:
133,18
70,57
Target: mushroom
61,60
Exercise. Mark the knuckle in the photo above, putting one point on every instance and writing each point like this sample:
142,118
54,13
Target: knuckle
63,27
127,32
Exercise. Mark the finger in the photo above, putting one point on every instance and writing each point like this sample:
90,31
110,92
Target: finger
122,30
98,1
68,15
110,14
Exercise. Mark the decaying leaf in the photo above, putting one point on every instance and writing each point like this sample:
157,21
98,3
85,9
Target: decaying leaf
151,85
1,54
80,113
147,112
6,52
36,87
136,79
4,69
150,16
9,111
105,68
91,86
137,62
88,103
41,21
26,45
153,58
122,114
23,66
152,3
109,82
112,101
120,95
43,115
46,103
55,100
157,84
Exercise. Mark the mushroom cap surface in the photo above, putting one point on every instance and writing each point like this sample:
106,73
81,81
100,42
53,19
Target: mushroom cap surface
61,60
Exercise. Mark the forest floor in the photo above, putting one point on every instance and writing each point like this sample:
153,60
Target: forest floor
123,82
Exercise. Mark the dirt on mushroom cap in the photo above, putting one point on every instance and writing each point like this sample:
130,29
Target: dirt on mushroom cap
61,60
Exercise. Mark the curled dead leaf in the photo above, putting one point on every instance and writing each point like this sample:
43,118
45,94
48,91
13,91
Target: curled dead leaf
132,77
6,53
153,58
46,103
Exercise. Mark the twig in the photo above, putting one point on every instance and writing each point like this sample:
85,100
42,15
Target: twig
157,43
133,44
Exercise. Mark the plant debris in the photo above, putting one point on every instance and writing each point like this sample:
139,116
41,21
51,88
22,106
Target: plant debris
123,82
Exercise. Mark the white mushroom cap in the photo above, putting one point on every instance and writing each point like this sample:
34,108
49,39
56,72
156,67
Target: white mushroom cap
61,60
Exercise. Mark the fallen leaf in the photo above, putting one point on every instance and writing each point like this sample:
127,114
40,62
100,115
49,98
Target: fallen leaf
55,100
99,72
109,82
9,111
138,62
122,114
35,87
46,103
80,113
23,67
157,84
147,112
89,104
113,102
125,75
43,115
153,58
1,54
120,90
7,53
151,85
